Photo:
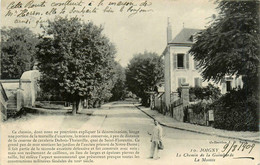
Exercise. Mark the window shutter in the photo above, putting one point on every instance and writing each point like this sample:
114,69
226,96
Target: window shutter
175,61
200,82
196,82
224,88
187,61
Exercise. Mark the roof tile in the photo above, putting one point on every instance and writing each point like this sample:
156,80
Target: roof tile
184,36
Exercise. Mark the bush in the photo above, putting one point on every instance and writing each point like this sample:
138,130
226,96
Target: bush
49,96
202,106
237,110
200,93
198,108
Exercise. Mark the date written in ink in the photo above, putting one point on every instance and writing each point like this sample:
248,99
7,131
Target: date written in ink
237,146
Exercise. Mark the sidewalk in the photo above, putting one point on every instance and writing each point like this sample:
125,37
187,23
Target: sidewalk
168,121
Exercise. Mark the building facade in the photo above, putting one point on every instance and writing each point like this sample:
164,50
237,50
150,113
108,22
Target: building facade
180,66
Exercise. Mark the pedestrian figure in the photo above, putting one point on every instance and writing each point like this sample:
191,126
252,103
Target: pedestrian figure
155,140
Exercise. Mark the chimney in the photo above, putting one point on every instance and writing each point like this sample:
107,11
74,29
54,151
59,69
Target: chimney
169,31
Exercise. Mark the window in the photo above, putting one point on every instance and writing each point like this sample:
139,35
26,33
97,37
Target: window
197,82
180,60
229,87
181,80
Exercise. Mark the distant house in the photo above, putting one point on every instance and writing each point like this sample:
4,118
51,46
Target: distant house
180,67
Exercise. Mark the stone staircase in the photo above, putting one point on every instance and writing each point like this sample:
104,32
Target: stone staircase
12,102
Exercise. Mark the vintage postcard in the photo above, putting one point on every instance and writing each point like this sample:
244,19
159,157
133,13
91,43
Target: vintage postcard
167,82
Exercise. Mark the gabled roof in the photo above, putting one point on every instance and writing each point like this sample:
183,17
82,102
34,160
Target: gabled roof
185,36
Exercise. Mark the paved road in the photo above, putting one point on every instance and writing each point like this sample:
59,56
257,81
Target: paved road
125,116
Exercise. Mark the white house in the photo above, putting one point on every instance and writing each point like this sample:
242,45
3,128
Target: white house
180,67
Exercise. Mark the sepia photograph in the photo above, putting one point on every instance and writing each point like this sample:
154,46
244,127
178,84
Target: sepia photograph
144,82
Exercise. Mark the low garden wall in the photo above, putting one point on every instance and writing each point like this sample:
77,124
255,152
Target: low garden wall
177,110
194,118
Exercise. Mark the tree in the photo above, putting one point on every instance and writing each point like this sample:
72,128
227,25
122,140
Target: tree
199,93
18,47
119,89
75,59
230,45
143,73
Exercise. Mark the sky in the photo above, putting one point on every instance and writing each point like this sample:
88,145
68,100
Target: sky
131,34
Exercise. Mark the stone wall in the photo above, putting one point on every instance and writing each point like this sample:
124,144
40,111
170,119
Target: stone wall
178,106
21,92
11,86
20,99
177,110
200,119
12,102
203,118
159,102
27,92
180,111
30,86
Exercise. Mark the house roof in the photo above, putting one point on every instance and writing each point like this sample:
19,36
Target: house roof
184,36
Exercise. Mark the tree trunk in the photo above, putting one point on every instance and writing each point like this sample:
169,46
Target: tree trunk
87,103
74,108
80,105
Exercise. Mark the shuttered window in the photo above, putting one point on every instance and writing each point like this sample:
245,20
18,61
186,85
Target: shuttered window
187,61
175,61
180,61
229,87
197,82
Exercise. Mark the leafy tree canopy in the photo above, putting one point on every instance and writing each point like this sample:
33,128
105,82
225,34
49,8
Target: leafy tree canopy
230,45
18,47
144,71
75,59
119,89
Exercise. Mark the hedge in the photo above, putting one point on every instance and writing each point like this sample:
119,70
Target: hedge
237,110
